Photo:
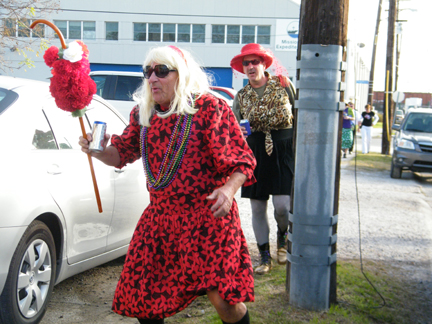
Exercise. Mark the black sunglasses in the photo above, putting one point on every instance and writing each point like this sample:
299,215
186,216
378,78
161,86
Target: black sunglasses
254,62
161,71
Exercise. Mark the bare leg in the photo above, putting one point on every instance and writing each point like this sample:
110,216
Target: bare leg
228,313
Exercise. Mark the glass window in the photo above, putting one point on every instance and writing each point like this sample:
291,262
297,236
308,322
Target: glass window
23,28
126,86
10,27
263,36
43,138
89,30
74,30
169,32
233,34
218,33
183,33
111,31
100,81
248,34
198,33
154,33
38,30
62,25
140,32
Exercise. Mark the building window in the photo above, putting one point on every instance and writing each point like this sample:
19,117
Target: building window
183,33
9,28
62,26
21,28
230,34
154,33
233,34
140,32
75,29
263,36
248,34
169,32
198,33
218,34
111,32
89,30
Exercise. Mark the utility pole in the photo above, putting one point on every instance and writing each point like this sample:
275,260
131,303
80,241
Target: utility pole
372,69
388,102
311,268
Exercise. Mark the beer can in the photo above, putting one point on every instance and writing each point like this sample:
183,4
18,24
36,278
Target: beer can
99,130
245,123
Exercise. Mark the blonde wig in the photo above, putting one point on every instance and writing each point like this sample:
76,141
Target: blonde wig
191,80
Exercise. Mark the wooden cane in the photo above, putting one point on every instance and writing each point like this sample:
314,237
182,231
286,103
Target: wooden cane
60,35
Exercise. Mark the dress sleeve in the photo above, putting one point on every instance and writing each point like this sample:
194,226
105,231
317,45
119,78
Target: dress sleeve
128,143
228,146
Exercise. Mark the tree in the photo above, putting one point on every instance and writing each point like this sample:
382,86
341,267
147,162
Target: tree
15,34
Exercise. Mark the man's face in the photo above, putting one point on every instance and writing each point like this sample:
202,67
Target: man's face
254,72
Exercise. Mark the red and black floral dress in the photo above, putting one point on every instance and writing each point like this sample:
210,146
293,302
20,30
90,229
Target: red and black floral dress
179,250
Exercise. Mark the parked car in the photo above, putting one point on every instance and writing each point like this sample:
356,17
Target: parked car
398,116
412,143
227,93
117,88
50,225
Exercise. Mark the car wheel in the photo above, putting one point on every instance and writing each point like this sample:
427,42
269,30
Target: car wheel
31,277
395,172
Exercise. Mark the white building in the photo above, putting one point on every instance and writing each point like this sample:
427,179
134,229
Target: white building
119,33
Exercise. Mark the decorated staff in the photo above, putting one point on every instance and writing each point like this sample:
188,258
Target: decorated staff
70,85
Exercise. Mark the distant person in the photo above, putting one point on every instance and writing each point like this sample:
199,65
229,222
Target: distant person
189,241
356,124
347,133
369,119
265,103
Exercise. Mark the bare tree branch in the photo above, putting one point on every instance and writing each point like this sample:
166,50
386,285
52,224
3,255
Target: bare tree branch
15,34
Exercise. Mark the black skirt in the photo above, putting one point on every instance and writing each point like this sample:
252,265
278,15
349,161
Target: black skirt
274,173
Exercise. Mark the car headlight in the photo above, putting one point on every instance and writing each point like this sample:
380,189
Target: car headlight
404,143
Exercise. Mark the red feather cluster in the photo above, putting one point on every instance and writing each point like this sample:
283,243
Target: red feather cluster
71,86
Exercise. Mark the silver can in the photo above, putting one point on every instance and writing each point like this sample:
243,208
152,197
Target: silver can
99,130
245,123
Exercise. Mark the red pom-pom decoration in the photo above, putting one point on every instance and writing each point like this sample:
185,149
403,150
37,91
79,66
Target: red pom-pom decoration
71,85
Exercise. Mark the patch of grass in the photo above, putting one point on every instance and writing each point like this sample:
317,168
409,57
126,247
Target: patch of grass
357,300
371,161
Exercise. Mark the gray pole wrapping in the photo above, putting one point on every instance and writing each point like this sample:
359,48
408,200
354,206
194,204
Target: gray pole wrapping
311,235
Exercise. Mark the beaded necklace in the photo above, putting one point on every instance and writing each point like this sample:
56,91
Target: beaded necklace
173,156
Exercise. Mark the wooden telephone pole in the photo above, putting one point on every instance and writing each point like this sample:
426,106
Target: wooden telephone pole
372,69
321,56
388,102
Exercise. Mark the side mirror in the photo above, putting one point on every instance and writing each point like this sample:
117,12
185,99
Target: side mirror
396,127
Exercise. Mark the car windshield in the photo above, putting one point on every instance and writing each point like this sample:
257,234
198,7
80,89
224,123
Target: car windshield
419,122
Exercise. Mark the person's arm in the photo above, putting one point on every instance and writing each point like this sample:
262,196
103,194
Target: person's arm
224,195
109,156
375,119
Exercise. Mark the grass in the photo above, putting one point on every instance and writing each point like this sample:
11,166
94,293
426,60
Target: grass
371,161
357,300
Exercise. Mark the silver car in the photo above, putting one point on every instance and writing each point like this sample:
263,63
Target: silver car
412,143
50,225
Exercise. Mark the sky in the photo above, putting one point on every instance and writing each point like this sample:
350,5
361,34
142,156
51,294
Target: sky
415,67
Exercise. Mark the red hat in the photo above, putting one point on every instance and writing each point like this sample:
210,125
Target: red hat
251,49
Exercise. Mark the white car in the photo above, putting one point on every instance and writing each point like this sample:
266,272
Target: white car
50,225
117,87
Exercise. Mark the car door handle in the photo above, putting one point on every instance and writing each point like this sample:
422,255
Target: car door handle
118,170
54,169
